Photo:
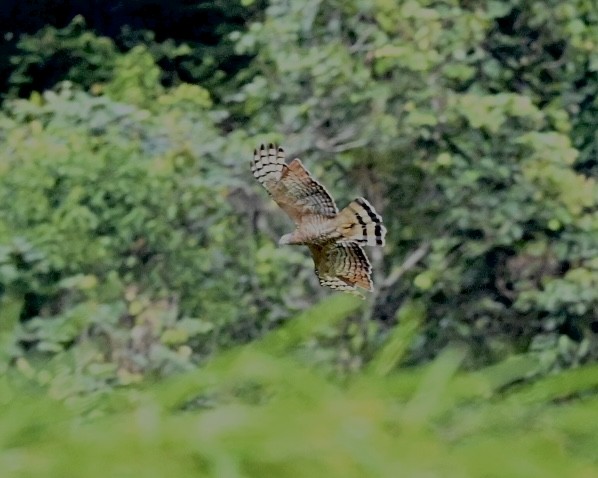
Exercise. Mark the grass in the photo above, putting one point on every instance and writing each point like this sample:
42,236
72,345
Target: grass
256,411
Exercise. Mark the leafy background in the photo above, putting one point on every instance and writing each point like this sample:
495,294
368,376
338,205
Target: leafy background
147,316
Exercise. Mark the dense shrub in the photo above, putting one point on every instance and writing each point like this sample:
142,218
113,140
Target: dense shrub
258,410
468,125
125,226
148,318
51,41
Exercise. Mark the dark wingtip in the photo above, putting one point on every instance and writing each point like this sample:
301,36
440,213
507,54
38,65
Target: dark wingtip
271,145
262,146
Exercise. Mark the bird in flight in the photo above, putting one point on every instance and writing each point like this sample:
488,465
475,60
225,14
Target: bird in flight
334,238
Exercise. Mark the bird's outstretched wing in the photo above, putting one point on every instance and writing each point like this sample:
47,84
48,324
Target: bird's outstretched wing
291,186
342,266
333,238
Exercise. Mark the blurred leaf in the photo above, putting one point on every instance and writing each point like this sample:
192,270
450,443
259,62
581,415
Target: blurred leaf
409,318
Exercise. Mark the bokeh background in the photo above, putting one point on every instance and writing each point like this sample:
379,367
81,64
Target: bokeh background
147,314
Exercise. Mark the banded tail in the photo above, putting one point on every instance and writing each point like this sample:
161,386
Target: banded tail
359,222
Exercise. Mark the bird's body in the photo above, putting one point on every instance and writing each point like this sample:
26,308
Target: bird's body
334,238
313,229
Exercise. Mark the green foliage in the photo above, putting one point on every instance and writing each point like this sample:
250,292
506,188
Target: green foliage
470,124
124,192
257,410
88,49
136,78
52,54
469,127
119,228
148,318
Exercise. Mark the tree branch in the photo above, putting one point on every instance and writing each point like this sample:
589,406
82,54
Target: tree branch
409,263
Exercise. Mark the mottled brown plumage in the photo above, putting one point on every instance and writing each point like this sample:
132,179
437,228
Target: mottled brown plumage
333,237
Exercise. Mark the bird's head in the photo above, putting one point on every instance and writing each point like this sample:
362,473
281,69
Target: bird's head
285,240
